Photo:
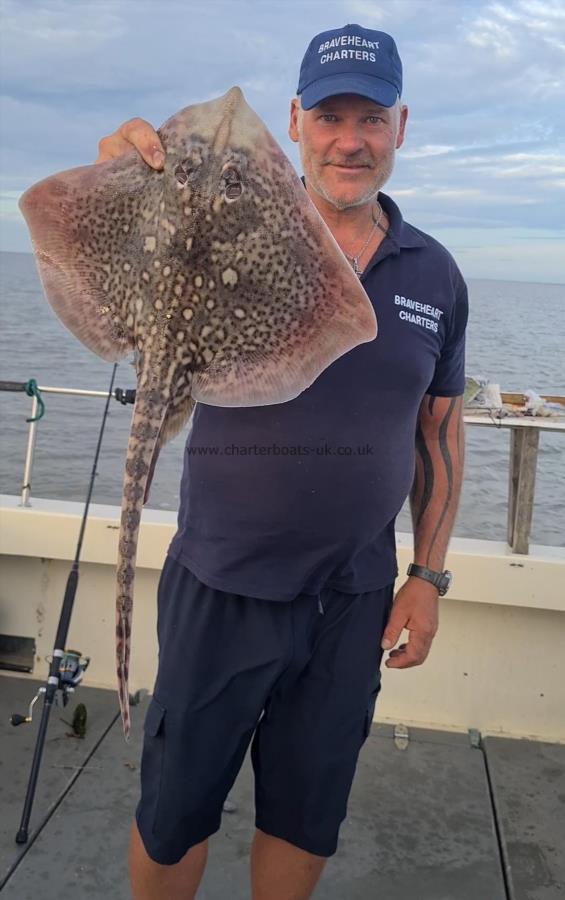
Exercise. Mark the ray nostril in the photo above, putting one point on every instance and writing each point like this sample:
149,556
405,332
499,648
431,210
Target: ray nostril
181,174
234,190
232,183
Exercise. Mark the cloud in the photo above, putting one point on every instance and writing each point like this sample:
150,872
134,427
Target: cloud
372,15
484,83
513,261
547,13
50,24
506,165
9,211
491,35
506,30
429,150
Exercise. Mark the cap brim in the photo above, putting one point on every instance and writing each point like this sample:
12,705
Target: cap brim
376,89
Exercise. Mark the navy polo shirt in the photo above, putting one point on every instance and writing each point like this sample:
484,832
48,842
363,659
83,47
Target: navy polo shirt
290,498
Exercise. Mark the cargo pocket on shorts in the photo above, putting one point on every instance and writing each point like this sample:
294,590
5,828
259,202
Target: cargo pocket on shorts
153,753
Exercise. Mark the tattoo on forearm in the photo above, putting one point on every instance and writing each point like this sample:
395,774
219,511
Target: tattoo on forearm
428,473
460,432
444,450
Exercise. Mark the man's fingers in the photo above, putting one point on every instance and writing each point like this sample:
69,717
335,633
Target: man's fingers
110,147
415,609
411,654
398,650
393,630
145,140
135,134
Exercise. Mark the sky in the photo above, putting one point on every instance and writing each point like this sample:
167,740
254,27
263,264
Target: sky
483,164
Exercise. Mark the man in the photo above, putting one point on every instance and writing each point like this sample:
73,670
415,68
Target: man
276,599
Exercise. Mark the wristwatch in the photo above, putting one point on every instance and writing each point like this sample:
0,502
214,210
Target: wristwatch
441,580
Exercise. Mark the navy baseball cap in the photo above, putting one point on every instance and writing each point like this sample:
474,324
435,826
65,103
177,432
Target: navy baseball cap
350,60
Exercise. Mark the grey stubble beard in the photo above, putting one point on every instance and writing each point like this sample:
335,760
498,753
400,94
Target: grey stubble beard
371,193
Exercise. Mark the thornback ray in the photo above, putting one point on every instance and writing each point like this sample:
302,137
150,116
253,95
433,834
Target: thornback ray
217,271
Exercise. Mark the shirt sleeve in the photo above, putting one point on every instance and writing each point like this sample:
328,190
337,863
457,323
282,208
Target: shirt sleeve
449,375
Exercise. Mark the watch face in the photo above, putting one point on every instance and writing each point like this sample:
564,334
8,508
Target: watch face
445,583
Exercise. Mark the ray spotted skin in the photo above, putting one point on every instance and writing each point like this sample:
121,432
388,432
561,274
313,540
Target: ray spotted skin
217,272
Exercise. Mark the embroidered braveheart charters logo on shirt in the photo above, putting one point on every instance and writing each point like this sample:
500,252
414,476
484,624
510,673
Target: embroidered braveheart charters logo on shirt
411,309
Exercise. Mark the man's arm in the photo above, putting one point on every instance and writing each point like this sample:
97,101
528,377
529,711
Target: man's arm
433,500
437,483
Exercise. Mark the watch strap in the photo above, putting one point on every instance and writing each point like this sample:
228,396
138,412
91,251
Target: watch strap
435,578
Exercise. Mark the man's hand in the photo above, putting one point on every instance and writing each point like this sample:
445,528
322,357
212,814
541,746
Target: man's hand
136,134
415,608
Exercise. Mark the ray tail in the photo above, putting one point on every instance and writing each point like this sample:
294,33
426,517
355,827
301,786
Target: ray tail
148,414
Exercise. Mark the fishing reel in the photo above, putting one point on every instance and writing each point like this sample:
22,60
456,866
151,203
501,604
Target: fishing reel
72,667
125,396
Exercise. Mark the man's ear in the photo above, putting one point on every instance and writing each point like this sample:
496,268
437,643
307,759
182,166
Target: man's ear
402,126
293,120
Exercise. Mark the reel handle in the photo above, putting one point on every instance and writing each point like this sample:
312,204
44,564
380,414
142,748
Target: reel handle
17,719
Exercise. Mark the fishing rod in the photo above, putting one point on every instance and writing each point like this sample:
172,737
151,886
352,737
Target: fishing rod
66,667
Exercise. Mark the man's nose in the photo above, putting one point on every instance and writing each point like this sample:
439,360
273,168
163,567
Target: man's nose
350,139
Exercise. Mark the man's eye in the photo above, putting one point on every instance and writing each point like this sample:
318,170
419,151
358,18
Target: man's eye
375,120
328,117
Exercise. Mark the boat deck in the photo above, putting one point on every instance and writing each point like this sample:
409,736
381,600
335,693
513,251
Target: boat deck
446,818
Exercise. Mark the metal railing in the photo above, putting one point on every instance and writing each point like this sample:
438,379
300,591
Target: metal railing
524,445
122,396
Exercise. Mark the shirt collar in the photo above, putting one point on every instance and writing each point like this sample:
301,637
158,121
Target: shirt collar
402,233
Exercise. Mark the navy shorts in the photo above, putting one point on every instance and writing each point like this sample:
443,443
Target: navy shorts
299,679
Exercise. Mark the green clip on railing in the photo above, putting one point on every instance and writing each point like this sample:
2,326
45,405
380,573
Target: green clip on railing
32,390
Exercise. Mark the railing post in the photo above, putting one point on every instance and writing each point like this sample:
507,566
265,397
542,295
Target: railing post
524,443
28,465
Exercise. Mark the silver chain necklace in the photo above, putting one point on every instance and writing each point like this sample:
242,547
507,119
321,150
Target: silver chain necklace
354,260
